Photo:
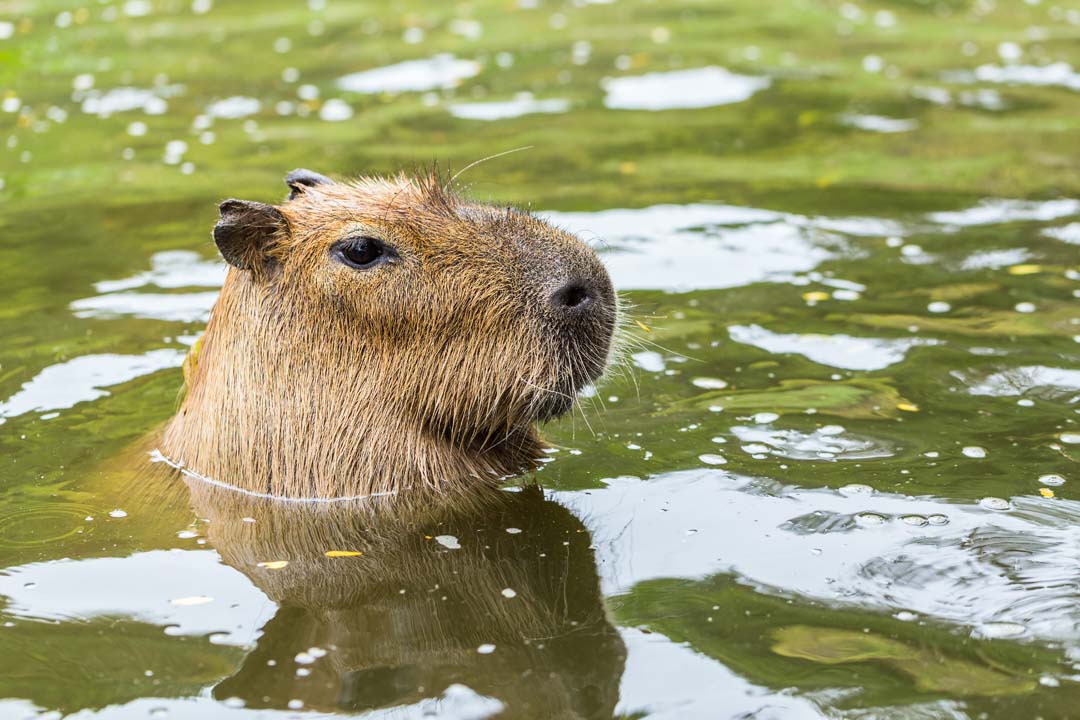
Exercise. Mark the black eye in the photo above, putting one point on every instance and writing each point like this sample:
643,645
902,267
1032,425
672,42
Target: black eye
362,252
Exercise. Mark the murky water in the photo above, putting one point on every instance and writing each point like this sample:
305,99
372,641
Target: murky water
834,478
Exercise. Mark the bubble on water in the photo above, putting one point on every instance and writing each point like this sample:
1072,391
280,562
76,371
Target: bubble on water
1025,402
1025,307
137,8
691,88
1070,437
712,459
509,593
335,110
764,418
937,519
486,649
870,519
906,616
448,541
915,520
234,107
974,451
295,704
872,63
282,45
304,658
117,513
136,129
513,531
997,630
187,534
826,443
995,503
1051,480
939,307
856,489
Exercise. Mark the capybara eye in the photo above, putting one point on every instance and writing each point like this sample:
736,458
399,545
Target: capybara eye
362,253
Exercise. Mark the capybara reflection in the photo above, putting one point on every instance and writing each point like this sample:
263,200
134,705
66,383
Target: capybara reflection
490,602
384,334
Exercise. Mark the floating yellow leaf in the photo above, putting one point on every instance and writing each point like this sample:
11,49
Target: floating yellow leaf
643,326
1046,492
815,296
1025,269
907,407
273,564
342,553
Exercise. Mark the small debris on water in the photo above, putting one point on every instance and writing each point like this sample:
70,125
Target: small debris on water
448,541
996,630
342,553
974,451
1052,480
1046,492
712,459
486,649
272,564
117,513
508,593
995,503
513,530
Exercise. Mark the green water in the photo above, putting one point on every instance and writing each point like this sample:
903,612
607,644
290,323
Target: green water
834,478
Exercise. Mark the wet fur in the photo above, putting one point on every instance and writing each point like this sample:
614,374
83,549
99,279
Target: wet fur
317,380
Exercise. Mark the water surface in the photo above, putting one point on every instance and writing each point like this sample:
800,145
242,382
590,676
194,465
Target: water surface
833,478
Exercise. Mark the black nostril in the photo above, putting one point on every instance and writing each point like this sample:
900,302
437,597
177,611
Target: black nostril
572,296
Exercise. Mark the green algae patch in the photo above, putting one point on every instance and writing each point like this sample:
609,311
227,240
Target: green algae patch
1048,320
931,671
857,399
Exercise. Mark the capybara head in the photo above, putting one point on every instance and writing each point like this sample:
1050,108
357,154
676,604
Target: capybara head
384,333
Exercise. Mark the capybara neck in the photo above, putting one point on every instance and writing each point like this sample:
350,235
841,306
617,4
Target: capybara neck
385,336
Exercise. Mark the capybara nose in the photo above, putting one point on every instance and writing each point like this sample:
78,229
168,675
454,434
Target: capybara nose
576,296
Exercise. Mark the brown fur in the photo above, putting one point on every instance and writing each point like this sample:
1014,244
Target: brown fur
315,379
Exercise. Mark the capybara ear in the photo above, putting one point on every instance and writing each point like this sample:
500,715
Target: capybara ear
245,231
300,179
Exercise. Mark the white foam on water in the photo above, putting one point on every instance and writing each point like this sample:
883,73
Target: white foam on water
172,307
821,444
993,211
522,104
994,259
688,247
1020,380
681,89
1060,74
235,107
117,586
1066,233
439,72
85,378
126,99
172,269
879,123
838,350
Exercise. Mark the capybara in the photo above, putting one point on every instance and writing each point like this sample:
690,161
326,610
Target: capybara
384,335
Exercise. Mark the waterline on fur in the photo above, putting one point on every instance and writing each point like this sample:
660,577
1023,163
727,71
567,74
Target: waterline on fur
159,457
